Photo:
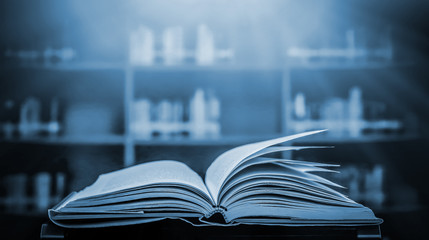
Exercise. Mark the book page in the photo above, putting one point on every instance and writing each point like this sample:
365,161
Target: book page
223,165
318,213
145,198
271,170
157,172
287,148
273,182
298,165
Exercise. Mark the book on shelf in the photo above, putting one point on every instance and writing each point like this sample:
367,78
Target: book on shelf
242,186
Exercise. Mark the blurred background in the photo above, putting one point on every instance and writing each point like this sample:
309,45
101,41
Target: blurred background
88,87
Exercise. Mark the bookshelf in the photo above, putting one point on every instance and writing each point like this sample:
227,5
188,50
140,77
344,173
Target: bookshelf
133,80
349,75
130,81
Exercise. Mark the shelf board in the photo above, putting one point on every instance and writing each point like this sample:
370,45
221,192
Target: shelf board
346,65
69,140
82,66
88,66
374,138
120,140
196,68
221,141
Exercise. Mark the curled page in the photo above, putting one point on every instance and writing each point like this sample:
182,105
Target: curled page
223,165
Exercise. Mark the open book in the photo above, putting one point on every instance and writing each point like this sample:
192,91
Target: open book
241,185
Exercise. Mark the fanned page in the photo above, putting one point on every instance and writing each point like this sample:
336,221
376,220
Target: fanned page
223,165
262,190
280,191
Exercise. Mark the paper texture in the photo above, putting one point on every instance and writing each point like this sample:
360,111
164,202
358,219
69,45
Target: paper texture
223,165
165,171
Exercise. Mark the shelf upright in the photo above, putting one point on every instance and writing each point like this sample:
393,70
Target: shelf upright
129,156
286,99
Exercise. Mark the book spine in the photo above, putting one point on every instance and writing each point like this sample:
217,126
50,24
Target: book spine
220,210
